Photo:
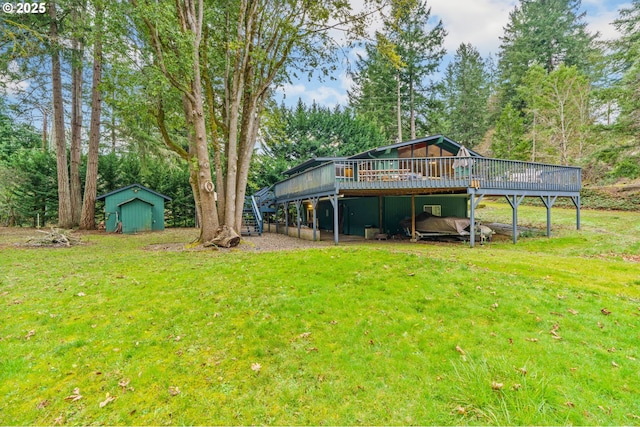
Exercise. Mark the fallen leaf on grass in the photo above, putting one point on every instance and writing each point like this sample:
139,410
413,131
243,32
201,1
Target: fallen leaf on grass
637,417
570,404
460,410
614,364
75,396
572,311
81,294
30,334
516,386
605,312
108,399
532,339
496,386
523,371
124,384
58,421
460,350
304,335
43,404
600,325
174,391
256,367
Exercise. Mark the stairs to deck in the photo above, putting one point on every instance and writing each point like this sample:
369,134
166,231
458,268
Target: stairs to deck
251,218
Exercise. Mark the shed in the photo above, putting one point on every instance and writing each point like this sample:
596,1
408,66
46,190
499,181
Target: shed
137,207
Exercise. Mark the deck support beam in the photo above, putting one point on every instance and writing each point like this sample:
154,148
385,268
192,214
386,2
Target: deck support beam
334,202
314,205
515,200
286,218
298,205
548,203
380,199
413,218
576,202
473,204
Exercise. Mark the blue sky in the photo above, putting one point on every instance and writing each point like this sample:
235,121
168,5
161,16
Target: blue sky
479,22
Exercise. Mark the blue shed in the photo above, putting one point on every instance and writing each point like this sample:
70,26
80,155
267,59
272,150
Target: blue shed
135,207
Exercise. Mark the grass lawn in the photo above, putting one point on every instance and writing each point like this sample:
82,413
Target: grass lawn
544,332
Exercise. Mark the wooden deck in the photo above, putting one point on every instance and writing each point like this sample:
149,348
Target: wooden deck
430,176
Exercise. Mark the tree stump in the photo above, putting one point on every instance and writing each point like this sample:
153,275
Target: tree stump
225,237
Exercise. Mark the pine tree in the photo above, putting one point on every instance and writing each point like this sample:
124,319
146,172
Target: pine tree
544,32
466,93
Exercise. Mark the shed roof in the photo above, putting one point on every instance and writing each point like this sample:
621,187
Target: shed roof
142,187
439,140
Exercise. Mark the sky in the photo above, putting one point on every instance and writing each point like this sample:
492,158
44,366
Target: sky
479,22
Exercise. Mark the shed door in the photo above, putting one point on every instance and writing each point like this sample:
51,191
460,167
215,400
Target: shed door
136,216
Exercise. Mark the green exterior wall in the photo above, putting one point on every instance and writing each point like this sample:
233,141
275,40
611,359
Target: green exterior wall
397,208
362,211
144,211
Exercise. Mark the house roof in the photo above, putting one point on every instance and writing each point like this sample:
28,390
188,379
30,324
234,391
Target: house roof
104,196
439,140
316,161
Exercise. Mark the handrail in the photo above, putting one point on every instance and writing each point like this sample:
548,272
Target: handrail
430,172
256,212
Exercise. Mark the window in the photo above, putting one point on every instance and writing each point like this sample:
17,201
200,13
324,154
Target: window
435,210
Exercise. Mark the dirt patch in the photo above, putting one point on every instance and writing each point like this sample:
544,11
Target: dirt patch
268,242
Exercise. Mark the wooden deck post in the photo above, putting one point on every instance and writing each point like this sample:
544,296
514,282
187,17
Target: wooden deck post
286,218
380,198
548,202
576,202
413,218
514,206
334,202
314,205
298,204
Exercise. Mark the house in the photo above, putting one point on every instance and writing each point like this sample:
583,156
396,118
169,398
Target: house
133,209
374,190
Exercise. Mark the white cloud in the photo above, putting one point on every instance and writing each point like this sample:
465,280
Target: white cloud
479,22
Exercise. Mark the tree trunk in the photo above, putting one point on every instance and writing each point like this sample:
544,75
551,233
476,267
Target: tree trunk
77,50
398,107
65,219
87,220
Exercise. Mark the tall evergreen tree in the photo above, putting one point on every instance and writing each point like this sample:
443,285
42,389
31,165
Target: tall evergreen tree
467,88
391,86
545,32
626,56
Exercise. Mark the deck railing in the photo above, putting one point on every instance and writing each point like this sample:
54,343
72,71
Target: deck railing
432,172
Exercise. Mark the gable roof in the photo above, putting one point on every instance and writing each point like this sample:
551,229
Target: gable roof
142,187
439,140
316,161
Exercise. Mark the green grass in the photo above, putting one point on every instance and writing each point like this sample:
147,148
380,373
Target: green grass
390,334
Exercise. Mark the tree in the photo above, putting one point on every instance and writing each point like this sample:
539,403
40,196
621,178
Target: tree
223,80
87,219
466,93
508,139
560,104
393,76
545,32
65,219
290,136
625,54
